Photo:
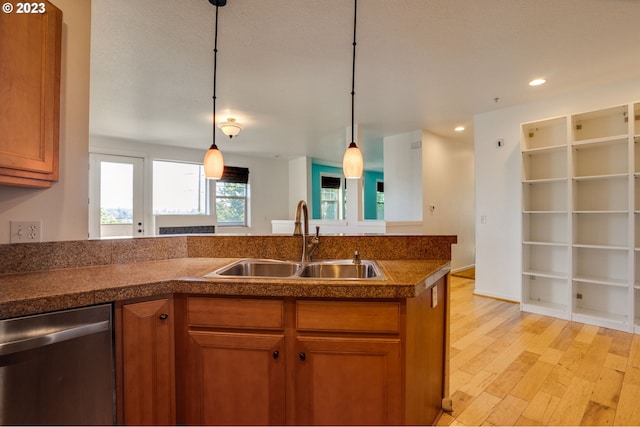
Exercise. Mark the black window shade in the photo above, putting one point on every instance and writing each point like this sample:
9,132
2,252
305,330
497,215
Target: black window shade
235,175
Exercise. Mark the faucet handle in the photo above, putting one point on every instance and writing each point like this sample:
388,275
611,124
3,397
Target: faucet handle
317,231
356,257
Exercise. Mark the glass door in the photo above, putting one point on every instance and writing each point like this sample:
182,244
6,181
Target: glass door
116,201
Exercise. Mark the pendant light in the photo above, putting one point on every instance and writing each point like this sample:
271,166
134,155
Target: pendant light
352,162
213,160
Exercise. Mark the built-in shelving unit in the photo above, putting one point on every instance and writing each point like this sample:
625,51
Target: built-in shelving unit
581,217
636,215
545,217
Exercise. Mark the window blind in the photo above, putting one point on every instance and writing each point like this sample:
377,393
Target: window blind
330,182
235,174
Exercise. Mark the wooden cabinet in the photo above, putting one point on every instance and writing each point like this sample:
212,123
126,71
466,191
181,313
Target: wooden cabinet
348,364
580,209
30,52
145,361
233,370
312,361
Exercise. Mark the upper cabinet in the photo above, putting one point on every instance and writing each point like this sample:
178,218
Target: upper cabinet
30,52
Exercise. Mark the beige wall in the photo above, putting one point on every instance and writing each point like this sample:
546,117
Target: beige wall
62,208
448,194
498,180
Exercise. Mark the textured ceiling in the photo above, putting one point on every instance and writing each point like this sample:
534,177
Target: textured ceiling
284,66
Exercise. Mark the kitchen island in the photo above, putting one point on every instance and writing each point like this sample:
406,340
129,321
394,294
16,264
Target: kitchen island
210,350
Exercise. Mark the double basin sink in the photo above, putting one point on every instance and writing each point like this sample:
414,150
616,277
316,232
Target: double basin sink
330,269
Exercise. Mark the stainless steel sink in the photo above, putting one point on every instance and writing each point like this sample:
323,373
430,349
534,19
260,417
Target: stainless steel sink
330,269
341,270
258,268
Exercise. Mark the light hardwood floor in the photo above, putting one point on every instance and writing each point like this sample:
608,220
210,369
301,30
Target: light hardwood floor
513,368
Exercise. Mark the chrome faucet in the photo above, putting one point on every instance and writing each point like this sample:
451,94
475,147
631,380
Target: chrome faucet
309,244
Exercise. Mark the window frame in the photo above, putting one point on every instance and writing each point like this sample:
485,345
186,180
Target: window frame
206,206
341,195
379,205
234,175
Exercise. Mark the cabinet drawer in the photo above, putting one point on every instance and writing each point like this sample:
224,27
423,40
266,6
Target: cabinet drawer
348,316
235,313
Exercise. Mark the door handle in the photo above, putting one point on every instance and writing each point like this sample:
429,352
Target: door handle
53,337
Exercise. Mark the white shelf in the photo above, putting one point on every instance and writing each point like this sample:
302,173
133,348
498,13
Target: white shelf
548,274
577,187
546,195
601,281
606,247
620,318
545,134
607,320
600,124
605,140
544,164
601,177
545,308
544,180
609,193
602,212
547,149
540,243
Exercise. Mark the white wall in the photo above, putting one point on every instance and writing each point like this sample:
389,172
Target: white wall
448,194
497,178
299,187
63,207
403,177
268,178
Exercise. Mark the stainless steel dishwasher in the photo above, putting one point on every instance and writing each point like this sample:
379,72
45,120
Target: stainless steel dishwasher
57,368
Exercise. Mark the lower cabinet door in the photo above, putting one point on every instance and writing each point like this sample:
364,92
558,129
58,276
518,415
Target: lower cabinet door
235,379
148,363
348,381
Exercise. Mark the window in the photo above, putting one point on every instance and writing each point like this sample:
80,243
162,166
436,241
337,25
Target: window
232,197
379,199
331,197
179,189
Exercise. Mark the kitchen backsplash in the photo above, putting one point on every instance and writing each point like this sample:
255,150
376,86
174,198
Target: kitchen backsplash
28,257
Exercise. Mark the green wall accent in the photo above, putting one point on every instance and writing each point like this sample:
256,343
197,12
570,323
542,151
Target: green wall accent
369,188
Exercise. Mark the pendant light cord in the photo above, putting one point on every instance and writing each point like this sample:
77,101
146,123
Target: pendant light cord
353,73
215,73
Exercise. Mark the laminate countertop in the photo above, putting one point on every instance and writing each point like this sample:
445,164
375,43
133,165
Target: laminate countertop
38,292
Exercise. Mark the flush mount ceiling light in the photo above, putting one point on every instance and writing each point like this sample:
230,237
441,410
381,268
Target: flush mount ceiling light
459,128
352,162
213,160
230,128
537,82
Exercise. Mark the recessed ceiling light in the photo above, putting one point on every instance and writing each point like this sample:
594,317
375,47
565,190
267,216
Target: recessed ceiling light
537,82
459,128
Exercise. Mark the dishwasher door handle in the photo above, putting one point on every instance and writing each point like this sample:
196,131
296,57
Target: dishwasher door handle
17,346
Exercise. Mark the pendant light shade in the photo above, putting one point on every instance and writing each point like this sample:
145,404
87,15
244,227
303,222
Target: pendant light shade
213,160
352,161
213,163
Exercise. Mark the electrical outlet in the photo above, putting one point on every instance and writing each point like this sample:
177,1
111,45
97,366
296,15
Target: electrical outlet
26,231
434,296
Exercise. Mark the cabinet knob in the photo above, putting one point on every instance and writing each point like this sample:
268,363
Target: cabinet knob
276,354
164,316
302,356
